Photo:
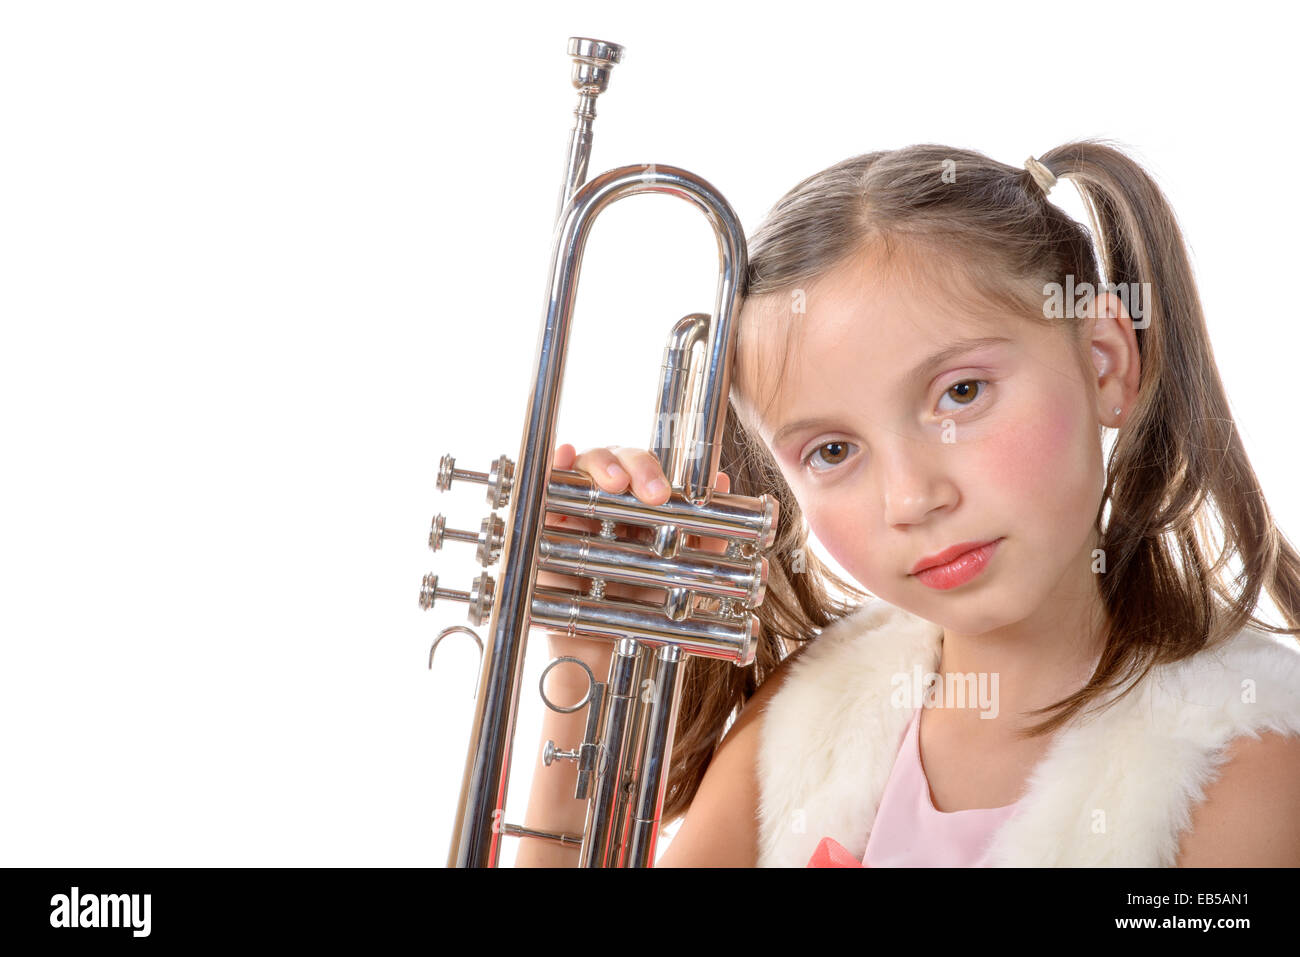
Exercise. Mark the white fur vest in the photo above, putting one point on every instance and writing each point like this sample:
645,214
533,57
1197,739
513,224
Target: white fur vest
1115,789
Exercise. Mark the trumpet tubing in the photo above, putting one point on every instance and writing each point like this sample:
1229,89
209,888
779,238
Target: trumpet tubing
708,602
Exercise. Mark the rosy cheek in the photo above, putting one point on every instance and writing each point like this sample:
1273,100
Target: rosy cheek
1031,453
847,538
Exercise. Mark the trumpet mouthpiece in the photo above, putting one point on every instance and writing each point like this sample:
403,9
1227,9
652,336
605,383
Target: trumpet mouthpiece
592,62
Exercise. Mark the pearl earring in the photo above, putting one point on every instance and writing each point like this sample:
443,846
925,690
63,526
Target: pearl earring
1118,410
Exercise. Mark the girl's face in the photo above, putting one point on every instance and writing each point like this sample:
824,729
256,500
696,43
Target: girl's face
904,428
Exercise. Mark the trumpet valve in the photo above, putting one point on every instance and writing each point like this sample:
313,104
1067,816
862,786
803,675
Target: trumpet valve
489,538
499,478
479,597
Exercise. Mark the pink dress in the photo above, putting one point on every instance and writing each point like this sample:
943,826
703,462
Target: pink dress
910,832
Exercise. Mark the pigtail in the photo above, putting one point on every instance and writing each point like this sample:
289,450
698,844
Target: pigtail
1179,454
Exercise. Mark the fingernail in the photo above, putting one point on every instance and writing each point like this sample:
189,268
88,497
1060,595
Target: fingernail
657,487
616,473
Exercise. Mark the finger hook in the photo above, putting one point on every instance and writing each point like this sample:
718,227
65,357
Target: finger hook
469,631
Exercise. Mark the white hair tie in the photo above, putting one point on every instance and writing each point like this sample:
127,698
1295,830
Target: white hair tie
1041,174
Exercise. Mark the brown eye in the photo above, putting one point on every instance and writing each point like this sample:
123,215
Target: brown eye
835,457
964,392
829,454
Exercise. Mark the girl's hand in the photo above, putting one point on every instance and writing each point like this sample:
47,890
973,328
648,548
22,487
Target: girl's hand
638,469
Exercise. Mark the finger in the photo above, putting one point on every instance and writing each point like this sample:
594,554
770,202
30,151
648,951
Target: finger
564,459
564,455
723,482
597,464
649,483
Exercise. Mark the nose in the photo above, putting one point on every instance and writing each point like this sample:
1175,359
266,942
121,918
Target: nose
916,481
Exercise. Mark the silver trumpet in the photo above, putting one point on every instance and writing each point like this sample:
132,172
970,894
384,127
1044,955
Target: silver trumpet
623,759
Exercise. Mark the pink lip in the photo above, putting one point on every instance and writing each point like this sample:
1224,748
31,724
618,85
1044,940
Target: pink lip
956,565
948,554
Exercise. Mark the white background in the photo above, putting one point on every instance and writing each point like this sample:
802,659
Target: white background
262,264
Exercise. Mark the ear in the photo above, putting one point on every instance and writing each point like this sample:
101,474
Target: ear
1112,342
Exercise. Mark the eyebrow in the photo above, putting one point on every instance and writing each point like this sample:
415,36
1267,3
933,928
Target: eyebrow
919,370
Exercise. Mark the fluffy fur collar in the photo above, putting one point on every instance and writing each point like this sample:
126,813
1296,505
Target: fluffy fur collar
1115,789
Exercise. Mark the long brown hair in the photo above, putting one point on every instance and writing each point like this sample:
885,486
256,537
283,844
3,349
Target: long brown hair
1176,465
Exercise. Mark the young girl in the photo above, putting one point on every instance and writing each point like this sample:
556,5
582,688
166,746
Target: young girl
1053,666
